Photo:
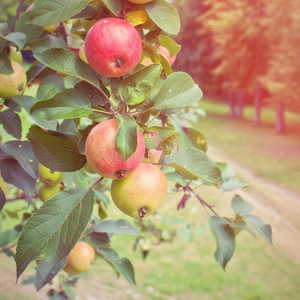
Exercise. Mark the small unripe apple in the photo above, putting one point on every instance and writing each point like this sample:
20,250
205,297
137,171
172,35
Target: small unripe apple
146,61
4,185
82,54
140,1
113,47
13,84
141,193
48,191
50,177
80,259
164,51
102,155
15,55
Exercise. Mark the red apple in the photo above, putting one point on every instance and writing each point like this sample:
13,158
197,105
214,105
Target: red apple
113,47
164,51
102,155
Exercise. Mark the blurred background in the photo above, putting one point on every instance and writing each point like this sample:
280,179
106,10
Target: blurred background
245,56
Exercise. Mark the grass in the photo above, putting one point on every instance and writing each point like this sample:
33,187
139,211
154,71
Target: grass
275,157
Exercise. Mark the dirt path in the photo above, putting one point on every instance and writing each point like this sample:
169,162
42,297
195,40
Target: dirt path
276,205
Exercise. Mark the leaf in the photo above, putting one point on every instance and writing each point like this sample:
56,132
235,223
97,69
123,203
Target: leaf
233,184
11,123
155,135
49,87
18,38
23,153
136,17
5,64
265,230
165,64
176,177
135,88
120,265
46,271
2,199
55,150
48,42
55,228
192,164
118,227
115,6
27,102
66,104
98,239
196,137
225,238
31,31
164,15
8,236
77,179
67,62
186,234
178,90
13,173
45,13
126,138
170,44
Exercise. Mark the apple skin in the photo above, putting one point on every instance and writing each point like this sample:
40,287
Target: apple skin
48,191
113,47
49,177
164,51
82,54
141,193
15,55
102,155
13,84
80,258
140,1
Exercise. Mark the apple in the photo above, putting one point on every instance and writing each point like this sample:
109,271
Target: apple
82,54
13,84
153,156
140,1
48,191
80,259
164,51
50,177
141,193
102,155
113,47
4,185
15,55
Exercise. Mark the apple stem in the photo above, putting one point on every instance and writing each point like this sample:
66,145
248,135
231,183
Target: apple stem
120,174
142,211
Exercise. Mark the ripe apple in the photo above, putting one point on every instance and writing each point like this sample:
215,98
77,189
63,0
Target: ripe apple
13,84
48,191
102,155
4,185
164,51
153,156
113,47
15,55
140,1
80,259
141,193
50,177
82,54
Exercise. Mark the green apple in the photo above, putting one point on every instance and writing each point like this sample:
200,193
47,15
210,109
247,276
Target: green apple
48,191
15,55
80,259
49,177
140,194
13,84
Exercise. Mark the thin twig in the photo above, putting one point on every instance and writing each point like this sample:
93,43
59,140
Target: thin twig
17,15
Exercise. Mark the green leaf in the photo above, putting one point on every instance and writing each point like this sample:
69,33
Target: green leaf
193,163
55,228
225,238
178,90
31,31
170,44
164,15
120,265
118,227
48,42
67,104
27,102
69,63
77,179
186,234
8,236
18,38
11,123
5,64
2,200
115,6
45,13
135,88
196,137
49,87
176,177
155,135
265,230
56,150
46,271
233,184
126,137
165,64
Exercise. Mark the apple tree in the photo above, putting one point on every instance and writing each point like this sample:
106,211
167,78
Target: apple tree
100,115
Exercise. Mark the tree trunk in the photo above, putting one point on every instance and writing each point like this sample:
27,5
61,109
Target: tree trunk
280,120
257,105
232,112
241,104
